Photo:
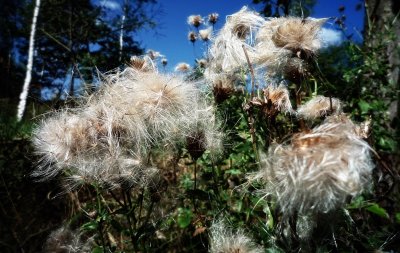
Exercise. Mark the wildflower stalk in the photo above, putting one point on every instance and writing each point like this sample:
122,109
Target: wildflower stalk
100,218
128,218
251,120
116,199
195,185
298,104
140,203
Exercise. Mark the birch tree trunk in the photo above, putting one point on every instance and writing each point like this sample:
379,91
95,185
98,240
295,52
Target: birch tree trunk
24,94
121,36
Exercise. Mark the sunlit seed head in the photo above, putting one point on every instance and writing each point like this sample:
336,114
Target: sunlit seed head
182,67
66,240
319,170
286,45
201,63
319,106
105,139
205,34
153,54
59,140
278,97
213,18
298,35
228,240
227,51
243,23
141,63
195,20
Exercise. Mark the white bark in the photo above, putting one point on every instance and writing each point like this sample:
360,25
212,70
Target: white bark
121,36
24,94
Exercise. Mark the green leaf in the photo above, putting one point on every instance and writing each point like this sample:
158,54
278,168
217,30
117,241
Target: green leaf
397,217
358,202
270,218
184,217
376,209
234,172
98,249
89,226
364,106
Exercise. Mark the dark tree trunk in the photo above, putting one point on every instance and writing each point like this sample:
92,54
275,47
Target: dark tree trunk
382,15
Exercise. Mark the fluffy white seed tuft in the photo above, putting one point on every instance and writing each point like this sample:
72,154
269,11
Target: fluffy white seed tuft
319,170
318,107
226,240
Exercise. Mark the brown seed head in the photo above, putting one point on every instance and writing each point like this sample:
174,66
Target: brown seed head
192,37
164,61
298,35
141,64
182,67
213,18
195,20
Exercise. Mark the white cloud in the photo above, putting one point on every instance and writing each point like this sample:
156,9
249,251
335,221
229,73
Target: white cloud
330,37
112,5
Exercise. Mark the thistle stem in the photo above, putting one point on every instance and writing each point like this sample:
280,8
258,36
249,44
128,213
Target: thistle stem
128,218
253,78
251,120
195,185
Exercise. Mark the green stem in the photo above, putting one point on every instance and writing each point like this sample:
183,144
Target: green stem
99,215
195,186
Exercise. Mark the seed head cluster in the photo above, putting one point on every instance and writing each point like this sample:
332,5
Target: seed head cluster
286,44
108,137
226,54
195,20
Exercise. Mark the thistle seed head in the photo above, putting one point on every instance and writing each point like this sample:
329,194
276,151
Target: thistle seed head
142,63
182,67
213,18
205,34
195,20
227,240
226,53
64,240
192,36
285,45
319,106
298,35
105,139
164,61
319,170
202,63
153,54
277,99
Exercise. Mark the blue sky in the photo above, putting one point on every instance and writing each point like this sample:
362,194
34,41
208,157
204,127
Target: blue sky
173,41
170,37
